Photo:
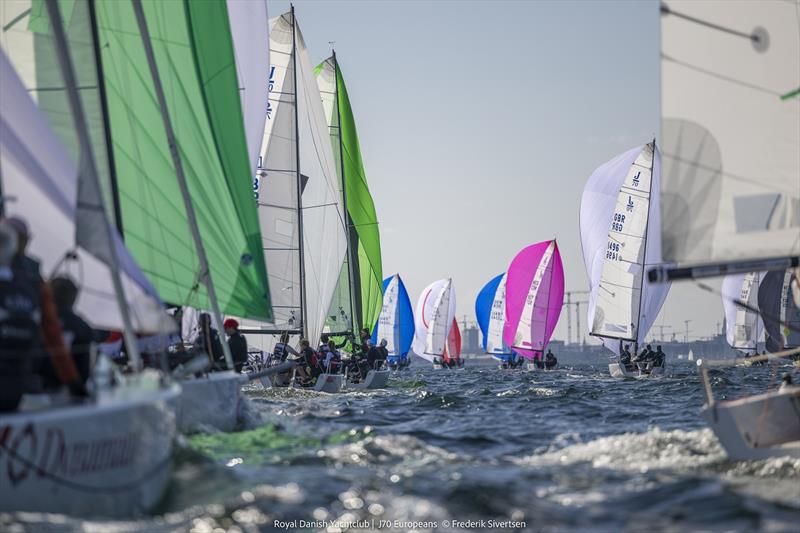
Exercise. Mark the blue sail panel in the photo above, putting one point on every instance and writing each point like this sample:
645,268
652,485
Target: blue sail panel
401,318
483,307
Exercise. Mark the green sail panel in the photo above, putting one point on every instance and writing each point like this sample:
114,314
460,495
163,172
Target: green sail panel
360,206
194,55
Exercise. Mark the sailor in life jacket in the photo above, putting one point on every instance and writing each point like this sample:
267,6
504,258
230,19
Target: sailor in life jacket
282,349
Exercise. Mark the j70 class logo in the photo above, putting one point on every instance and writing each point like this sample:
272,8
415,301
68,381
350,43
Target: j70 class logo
636,179
629,207
270,86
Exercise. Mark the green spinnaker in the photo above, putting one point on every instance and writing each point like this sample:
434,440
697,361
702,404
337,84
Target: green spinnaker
360,206
194,55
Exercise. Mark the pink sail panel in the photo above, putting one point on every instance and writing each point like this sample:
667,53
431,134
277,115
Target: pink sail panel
534,298
453,349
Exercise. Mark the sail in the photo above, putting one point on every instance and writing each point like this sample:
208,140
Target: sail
320,222
452,351
534,298
730,74
396,321
743,327
194,52
620,225
780,314
436,309
362,220
490,311
41,179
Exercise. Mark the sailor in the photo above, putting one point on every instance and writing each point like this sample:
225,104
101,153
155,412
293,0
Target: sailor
659,357
366,341
305,361
237,343
77,332
550,361
645,355
28,320
282,349
208,340
333,360
324,349
625,355
377,355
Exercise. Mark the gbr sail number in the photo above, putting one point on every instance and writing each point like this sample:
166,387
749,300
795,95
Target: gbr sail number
618,223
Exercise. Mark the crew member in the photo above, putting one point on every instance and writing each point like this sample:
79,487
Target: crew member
237,343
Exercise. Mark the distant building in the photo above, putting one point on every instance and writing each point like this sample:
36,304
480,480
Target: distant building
470,342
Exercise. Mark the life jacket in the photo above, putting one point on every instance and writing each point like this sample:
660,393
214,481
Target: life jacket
280,351
20,313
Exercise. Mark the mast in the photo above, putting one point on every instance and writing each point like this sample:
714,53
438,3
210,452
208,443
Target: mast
112,170
205,272
76,106
355,289
549,292
644,247
300,245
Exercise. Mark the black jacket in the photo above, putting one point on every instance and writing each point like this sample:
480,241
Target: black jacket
238,346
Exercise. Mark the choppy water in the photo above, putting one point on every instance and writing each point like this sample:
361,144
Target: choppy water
561,451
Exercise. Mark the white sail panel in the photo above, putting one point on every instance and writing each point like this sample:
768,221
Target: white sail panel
731,130
249,25
530,334
440,321
599,204
743,328
424,318
388,324
497,320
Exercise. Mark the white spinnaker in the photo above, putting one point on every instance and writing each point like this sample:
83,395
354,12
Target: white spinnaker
743,328
324,237
41,179
423,318
599,204
388,324
731,143
440,322
497,320
249,25
530,334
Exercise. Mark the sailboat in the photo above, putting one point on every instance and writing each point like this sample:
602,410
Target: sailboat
436,334
362,270
620,225
395,323
111,455
490,312
298,193
534,298
731,186
743,327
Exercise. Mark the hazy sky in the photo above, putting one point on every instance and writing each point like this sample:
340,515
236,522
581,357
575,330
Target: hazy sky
480,122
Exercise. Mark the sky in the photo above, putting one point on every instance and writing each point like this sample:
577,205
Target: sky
480,123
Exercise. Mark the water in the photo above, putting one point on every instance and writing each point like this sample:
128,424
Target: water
561,451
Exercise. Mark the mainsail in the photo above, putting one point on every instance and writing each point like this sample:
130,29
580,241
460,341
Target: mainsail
297,190
620,226
364,259
436,310
780,313
534,298
490,311
743,326
730,74
396,320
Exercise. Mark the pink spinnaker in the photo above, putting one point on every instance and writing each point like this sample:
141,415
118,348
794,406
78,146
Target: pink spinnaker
534,297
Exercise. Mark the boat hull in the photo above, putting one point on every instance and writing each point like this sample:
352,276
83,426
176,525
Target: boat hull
112,458
758,427
211,401
376,379
618,370
330,383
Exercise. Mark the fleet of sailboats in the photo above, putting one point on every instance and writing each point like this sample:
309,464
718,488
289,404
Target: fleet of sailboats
130,175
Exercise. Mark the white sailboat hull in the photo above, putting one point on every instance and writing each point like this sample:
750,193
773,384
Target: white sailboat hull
758,427
109,458
330,383
376,379
210,401
618,370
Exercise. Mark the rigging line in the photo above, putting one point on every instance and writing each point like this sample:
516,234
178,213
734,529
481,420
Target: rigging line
721,76
744,179
748,307
665,10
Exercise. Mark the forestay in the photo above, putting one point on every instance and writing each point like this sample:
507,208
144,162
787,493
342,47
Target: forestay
534,298
436,309
396,320
730,102
620,224
490,311
743,327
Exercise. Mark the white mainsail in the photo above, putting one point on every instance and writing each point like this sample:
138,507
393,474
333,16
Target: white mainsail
620,235
388,324
730,74
743,327
497,321
436,310
322,223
